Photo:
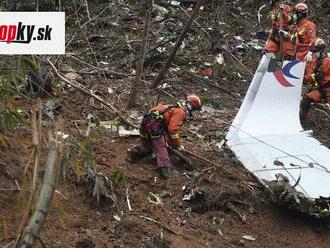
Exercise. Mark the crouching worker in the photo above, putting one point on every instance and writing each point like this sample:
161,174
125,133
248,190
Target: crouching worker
160,130
317,77
281,16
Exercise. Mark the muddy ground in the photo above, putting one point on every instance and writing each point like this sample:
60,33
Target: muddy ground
231,209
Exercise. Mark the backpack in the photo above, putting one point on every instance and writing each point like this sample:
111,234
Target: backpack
153,123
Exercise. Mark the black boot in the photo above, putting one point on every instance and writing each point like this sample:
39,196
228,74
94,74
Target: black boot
166,172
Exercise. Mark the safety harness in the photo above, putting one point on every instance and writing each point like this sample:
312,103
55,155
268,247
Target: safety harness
153,123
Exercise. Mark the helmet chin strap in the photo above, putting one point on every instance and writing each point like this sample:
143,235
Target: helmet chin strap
299,16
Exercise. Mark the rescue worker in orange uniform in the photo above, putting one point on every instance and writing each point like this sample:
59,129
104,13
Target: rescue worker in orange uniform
272,46
317,77
303,32
160,129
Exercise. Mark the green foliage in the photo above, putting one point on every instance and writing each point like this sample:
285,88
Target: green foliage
11,119
87,152
119,177
3,228
62,215
28,64
10,84
64,165
80,159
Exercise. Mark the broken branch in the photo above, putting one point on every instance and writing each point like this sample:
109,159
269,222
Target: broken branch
212,83
160,224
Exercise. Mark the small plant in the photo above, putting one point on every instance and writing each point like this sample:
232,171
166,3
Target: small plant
87,152
119,177
3,227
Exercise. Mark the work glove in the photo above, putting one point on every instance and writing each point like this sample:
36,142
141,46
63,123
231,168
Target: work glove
309,57
312,84
180,148
284,33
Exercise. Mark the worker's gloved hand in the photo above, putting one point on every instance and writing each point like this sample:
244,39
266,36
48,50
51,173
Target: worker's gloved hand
309,57
180,148
312,84
283,33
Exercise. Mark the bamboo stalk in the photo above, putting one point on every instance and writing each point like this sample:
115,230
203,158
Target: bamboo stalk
37,140
31,233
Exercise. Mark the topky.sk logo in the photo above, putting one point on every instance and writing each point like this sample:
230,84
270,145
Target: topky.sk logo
32,33
21,33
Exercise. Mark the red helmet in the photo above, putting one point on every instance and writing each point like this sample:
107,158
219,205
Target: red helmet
301,8
195,102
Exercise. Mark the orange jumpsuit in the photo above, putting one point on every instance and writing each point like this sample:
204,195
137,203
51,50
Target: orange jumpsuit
273,41
174,118
303,36
323,93
158,131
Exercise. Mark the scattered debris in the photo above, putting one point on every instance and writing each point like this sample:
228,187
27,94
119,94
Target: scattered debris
220,59
160,224
124,132
249,237
116,217
112,125
155,199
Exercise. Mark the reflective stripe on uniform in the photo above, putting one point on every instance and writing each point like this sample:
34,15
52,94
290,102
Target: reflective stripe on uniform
175,136
157,113
273,17
313,77
302,31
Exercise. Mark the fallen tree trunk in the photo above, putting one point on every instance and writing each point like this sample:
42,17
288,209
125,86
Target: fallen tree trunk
31,232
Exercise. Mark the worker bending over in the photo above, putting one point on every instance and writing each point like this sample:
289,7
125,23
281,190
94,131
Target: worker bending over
160,130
